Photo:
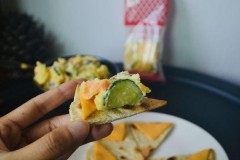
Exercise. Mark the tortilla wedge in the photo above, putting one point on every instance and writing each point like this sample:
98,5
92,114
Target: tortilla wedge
107,116
206,154
125,149
145,145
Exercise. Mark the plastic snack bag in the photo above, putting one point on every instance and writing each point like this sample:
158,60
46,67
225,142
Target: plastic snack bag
143,49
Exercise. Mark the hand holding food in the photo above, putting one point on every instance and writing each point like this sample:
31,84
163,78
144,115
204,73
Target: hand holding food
55,138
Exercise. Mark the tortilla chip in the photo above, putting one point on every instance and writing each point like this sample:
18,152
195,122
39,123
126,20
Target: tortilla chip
145,145
125,149
201,155
107,116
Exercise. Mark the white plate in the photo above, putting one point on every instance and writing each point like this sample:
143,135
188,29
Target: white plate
186,138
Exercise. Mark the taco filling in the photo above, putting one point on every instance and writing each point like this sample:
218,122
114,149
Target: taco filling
121,90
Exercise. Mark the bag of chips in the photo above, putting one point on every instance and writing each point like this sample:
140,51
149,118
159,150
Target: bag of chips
143,49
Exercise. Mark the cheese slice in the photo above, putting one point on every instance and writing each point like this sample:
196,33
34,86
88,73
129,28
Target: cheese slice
88,107
152,130
100,153
149,136
125,149
202,155
118,133
88,91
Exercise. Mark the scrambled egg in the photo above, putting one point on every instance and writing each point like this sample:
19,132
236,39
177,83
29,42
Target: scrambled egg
62,70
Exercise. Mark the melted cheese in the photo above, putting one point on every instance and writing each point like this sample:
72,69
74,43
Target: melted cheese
152,130
202,155
118,133
100,153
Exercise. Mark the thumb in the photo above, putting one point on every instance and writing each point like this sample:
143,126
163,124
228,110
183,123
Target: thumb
56,143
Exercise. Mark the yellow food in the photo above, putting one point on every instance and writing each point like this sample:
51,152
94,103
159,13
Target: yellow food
92,92
88,91
41,73
100,152
202,155
147,129
118,133
62,70
141,56
86,111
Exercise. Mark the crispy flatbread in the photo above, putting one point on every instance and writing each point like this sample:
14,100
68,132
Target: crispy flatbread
206,154
107,116
90,151
145,145
122,150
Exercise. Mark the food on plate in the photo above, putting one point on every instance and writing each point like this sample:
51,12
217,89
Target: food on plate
62,70
138,140
119,143
101,152
148,136
123,144
206,154
102,101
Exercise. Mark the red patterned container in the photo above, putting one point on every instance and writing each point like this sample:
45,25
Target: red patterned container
147,19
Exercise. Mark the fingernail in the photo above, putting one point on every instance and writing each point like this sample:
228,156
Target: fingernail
108,127
102,130
104,127
79,130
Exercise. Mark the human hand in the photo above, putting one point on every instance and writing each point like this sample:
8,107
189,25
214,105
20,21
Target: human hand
54,138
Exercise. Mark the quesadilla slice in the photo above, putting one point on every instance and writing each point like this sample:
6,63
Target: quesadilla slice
99,152
206,154
103,101
149,136
119,144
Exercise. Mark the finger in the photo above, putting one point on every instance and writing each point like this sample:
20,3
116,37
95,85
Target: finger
37,107
99,131
39,130
8,130
96,133
3,146
55,144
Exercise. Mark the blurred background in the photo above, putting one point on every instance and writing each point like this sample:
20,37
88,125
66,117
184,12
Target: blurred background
202,36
